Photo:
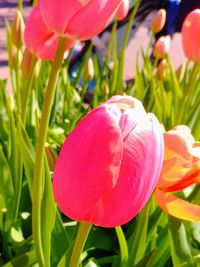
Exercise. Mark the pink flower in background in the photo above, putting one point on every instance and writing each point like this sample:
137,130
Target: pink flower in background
181,169
109,165
123,9
191,36
78,19
162,46
39,39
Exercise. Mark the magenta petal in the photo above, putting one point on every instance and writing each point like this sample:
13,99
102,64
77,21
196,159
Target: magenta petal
57,14
110,164
140,170
88,166
92,19
123,9
39,39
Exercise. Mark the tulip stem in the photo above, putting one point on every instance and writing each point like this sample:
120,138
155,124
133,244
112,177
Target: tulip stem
40,150
20,5
81,238
185,100
123,246
124,43
151,40
18,89
27,87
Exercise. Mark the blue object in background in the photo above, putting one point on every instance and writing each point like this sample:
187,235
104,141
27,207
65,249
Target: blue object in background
172,14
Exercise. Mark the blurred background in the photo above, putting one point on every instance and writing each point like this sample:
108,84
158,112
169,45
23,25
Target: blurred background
139,36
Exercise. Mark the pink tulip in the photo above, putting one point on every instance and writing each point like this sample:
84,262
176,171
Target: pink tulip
123,9
78,19
191,36
39,39
162,46
109,165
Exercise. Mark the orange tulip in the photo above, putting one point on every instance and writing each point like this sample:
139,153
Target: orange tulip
181,169
158,21
191,35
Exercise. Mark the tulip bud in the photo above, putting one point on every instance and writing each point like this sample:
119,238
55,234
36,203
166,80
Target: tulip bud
162,46
37,68
11,102
191,36
88,71
15,59
18,29
158,21
51,157
162,69
180,72
122,10
4,210
26,62
13,56
106,88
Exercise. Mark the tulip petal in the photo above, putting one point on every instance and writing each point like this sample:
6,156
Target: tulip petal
88,166
132,113
92,19
139,173
39,39
177,207
37,36
57,14
192,177
182,157
123,9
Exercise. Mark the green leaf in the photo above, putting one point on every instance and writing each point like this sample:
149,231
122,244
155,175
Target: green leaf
179,243
48,215
92,263
162,255
59,236
6,189
137,243
124,43
123,246
28,155
25,260
147,261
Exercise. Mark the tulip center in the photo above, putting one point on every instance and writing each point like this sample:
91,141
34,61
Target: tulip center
123,103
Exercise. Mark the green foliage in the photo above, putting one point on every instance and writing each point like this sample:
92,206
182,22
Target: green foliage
151,239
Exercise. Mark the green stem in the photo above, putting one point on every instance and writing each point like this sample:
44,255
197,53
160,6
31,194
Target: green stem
27,88
18,92
35,2
84,90
40,149
79,244
20,5
185,100
123,246
124,43
110,43
18,191
150,42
